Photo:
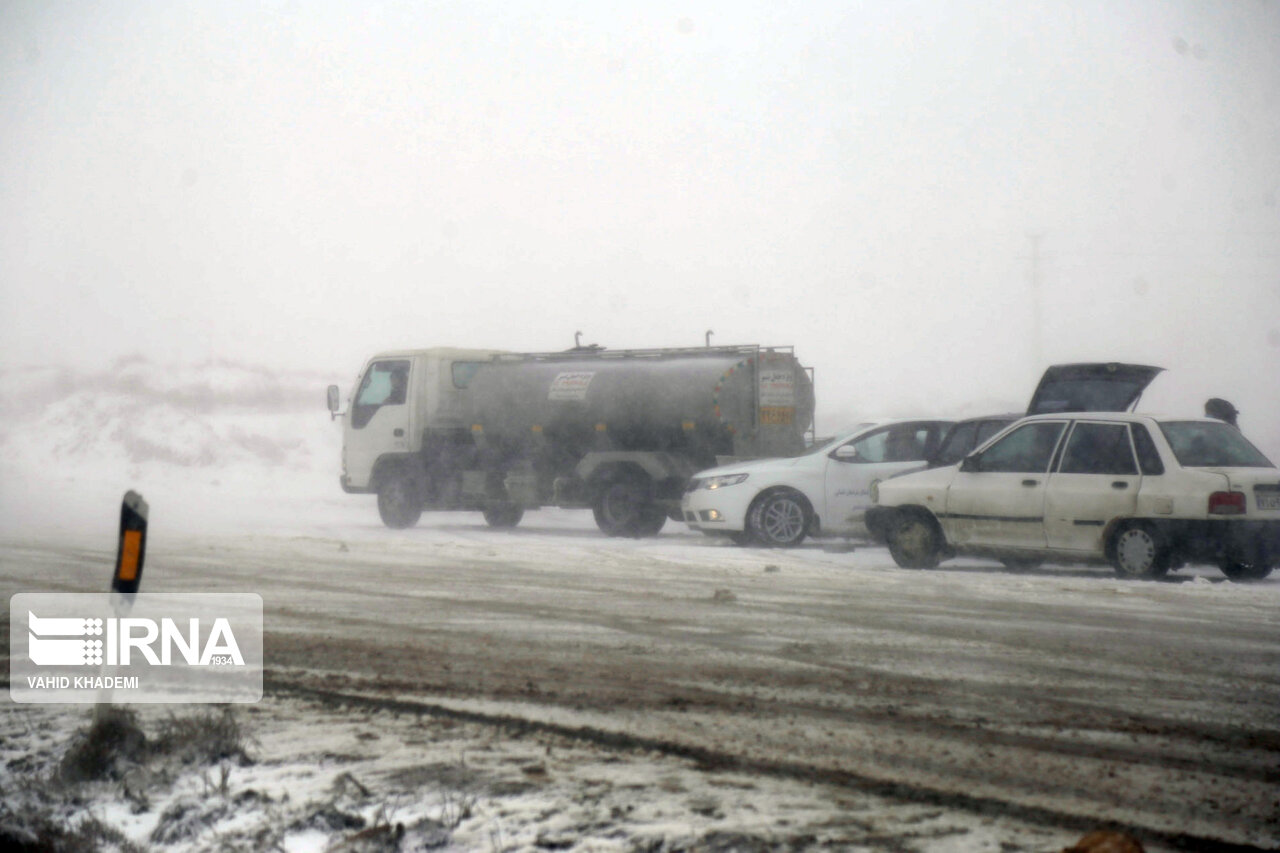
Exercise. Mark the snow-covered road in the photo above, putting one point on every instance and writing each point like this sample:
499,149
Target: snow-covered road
1059,695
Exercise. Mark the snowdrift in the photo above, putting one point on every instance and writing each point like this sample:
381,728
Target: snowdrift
209,445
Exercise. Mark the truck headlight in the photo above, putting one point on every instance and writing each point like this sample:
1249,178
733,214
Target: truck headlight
721,482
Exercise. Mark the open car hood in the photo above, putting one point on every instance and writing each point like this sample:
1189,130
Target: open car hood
1091,388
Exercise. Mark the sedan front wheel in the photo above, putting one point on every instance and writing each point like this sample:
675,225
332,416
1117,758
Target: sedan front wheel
915,542
779,519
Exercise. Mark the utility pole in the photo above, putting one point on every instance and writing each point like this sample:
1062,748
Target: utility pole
1037,304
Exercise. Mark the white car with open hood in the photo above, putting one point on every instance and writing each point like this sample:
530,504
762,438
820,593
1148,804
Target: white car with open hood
778,502
1143,493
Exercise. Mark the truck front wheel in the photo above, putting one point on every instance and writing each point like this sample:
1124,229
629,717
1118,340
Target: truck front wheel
399,500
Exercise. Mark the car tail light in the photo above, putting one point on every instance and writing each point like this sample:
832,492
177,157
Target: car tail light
1226,503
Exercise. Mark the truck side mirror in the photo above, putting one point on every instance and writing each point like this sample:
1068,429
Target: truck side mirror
332,394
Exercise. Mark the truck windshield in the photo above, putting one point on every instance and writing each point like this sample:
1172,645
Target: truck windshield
1203,444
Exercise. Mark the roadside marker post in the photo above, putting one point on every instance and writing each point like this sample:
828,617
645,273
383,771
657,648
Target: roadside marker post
131,552
132,548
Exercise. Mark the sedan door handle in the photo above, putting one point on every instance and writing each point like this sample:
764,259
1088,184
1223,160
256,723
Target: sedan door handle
1030,483
1119,484
399,433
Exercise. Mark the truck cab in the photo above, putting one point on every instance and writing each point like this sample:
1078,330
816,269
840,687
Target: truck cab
403,402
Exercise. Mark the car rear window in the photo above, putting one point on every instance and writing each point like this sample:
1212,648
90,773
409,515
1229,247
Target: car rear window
1208,444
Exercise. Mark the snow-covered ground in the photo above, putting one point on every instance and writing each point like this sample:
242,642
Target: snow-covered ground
320,778
570,691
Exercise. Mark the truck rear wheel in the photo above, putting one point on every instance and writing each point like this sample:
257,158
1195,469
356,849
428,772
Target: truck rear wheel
400,500
623,508
503,515
652,519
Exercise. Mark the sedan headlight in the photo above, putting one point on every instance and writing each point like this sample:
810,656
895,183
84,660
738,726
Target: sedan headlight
721,482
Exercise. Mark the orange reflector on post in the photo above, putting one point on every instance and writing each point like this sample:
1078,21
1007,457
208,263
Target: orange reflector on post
601,428
129,551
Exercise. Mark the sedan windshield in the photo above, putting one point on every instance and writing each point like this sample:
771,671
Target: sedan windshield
1203,444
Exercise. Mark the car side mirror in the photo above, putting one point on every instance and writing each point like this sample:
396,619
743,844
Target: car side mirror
332,395
971,464
845,453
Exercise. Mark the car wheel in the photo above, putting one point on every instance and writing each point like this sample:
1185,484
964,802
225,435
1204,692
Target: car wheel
399,500
779,519
503,515
915,541
1246,567
1138,550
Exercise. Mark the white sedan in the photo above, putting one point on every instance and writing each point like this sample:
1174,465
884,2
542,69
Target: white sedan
1142,493
778,502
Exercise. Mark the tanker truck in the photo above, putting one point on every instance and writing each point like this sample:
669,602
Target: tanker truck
616,431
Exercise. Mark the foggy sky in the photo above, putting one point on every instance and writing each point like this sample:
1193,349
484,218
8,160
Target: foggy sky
305,183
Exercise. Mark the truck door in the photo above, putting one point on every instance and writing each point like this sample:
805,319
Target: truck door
379,420
1097,481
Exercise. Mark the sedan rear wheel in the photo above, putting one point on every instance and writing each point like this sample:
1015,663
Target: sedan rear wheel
1140,551
1243,572
1243,565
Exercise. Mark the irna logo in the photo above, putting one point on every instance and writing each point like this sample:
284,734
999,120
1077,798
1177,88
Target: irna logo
124,641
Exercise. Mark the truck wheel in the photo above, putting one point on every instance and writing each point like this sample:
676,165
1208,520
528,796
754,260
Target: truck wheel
399,501
779,519
652,519
503,515
618,508
1138,550
915,542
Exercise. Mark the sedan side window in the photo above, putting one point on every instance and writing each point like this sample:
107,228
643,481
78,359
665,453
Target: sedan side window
900,443
1099,449
1026,450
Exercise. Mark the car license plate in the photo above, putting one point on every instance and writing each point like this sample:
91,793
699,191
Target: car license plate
1268,501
